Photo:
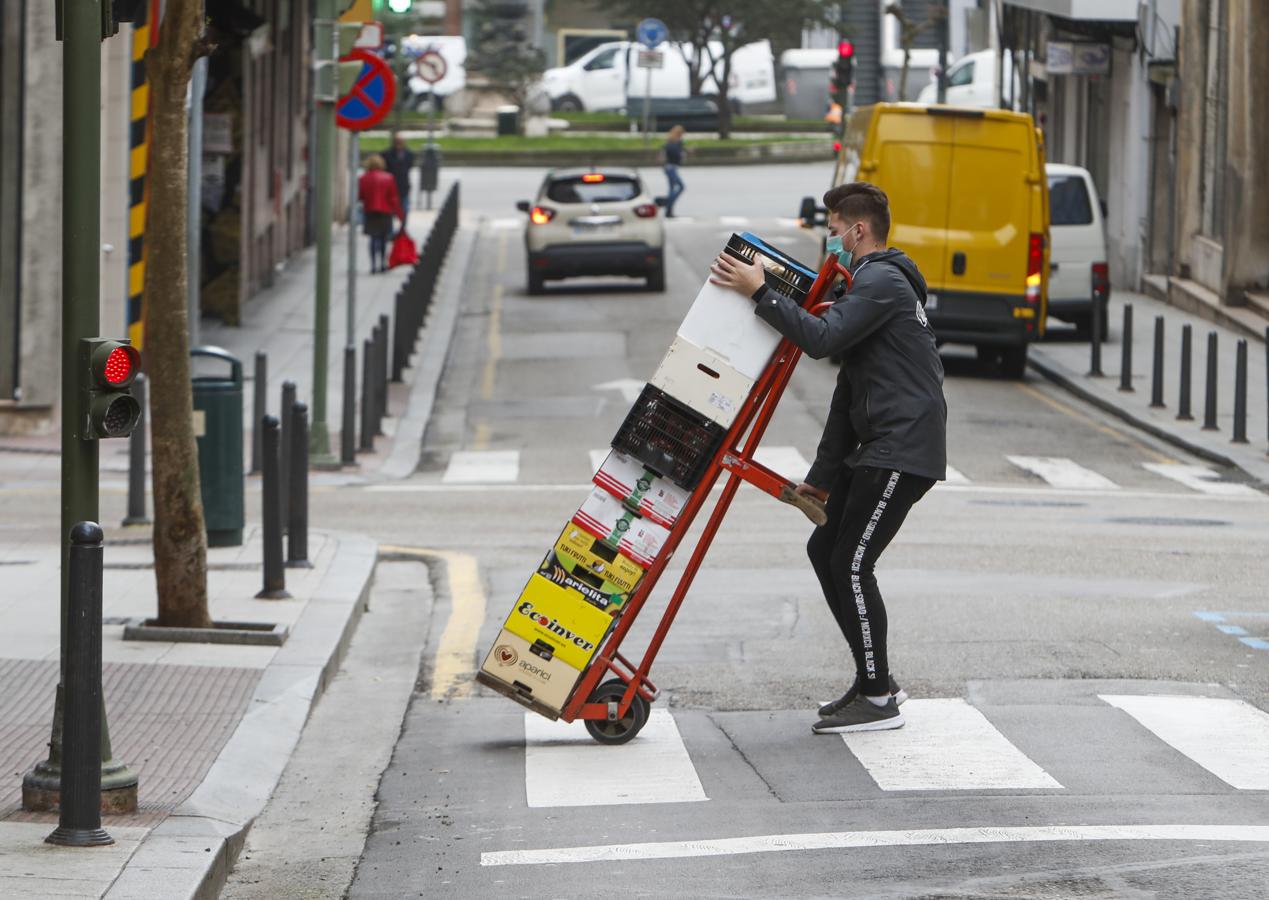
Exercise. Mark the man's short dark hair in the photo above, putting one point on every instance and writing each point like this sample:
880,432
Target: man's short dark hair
861,200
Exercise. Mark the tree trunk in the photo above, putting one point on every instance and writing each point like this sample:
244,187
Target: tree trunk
180,541
903,74
724,99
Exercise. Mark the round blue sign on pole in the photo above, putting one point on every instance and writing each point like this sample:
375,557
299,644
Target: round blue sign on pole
651,33
371,97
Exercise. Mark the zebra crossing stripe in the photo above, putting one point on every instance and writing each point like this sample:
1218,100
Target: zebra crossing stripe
786,461
1227,737
1202,479
563,766
955,476
1061,472
945,745
483,467
733,221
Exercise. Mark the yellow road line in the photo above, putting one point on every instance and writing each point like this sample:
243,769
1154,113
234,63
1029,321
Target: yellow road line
1092,423
493,344
454,663
480,441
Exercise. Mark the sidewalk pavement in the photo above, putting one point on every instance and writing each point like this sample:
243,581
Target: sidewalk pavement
208,727
1065,361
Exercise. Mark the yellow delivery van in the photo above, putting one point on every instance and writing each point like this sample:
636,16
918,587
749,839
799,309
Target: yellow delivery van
969,203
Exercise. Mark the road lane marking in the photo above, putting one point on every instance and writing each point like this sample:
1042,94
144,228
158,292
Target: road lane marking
786,461
1119,436
1063,473
564,766
1202,479
789,223
493,346
507,224
847,840
734,221
955,476
597,458
946,745
481,436
1227,737
482,467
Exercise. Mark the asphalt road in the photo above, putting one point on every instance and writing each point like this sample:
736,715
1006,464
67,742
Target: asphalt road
1075,724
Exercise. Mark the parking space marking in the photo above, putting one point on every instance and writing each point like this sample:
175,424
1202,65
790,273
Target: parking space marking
1201,479
483,467
1063,473
1226,737
846,840
564,766
946,745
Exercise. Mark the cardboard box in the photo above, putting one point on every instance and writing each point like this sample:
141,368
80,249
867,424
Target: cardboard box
531,670
561,618
582,554
641,489
622,529
703,382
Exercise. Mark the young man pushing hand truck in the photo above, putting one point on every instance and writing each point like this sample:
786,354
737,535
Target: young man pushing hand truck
884,442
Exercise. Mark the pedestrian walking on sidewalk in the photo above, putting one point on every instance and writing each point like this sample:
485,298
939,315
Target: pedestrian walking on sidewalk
399,160
672,155
884,442
377,191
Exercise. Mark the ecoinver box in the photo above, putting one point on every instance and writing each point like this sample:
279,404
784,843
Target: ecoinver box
531,670
608,519
633,483
561,618
581,553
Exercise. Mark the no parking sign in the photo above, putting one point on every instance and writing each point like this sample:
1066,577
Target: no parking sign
372,95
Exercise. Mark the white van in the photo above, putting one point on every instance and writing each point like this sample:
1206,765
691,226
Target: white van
971,81
603,78
1079,275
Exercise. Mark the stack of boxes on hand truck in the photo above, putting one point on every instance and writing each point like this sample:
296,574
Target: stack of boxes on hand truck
658,457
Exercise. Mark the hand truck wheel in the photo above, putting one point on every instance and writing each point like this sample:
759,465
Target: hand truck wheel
625,728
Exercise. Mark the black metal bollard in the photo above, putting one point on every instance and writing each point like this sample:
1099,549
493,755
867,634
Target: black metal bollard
260,391
376,378
297,528
288,402
1125,365
367,396
1209,405
1240,393
1156,377
1183,403
79,821
271,487
348,424
399,335
136,461
385,365
1095,342
1267,379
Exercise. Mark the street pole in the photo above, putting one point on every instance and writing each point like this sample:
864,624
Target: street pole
942,89
647,105
324,43
81,318
348,440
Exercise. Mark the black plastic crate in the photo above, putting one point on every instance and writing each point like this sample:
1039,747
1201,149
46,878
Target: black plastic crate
669,438
783,273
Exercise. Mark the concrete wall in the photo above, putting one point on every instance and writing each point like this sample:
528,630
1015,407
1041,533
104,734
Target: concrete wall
1190,62
1127,190
1246,256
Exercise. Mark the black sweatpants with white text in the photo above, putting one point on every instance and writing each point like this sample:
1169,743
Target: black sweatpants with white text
866,507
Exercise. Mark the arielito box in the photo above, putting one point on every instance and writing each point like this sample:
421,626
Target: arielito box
561,618
703,382
585,556
597,592
722,321
634,484
529,672
608,519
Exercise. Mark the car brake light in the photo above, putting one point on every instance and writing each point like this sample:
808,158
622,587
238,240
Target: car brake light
593,178
540,215
1035,263
1101,280
646,211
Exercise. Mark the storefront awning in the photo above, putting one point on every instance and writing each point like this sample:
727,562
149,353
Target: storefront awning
1083,10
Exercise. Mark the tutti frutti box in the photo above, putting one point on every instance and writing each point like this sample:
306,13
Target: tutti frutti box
564,620
634,484
580,553
621,528
529,672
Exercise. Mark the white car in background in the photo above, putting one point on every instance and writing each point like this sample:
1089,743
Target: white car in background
971,81
1079,275
597,221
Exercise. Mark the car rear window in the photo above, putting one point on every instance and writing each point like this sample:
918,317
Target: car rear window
1068,201
594,188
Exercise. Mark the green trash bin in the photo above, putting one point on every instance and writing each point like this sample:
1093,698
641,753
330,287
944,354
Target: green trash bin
218,429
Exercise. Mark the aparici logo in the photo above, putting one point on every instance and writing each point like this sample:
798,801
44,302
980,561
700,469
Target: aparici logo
506,655
553,625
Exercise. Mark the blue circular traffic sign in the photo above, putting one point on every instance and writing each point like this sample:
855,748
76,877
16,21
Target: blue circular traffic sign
371,97
651,33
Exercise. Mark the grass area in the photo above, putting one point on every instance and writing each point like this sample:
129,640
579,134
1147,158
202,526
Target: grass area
563,142
739,123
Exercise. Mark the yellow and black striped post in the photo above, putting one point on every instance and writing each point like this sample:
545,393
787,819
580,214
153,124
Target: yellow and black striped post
138,163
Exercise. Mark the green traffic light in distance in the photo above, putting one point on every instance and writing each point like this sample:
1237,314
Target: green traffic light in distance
400,6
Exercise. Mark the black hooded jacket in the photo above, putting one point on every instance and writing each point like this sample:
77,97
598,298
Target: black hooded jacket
888,408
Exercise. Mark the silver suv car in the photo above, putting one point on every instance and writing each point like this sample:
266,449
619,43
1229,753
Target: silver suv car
598,221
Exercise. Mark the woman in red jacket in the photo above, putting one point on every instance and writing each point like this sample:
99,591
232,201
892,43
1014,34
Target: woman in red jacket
377,191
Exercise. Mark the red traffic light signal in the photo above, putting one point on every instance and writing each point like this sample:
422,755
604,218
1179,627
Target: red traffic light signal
845,49
109,369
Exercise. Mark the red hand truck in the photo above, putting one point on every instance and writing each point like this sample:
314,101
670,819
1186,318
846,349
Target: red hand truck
616,709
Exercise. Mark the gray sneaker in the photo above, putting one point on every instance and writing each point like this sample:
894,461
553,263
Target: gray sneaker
833,707
861,715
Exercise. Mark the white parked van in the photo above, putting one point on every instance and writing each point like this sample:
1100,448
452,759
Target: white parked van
603,78
971,81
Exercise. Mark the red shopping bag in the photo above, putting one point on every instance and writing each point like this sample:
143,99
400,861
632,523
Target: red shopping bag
403,251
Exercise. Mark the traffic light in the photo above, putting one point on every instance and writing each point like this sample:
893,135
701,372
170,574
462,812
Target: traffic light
400,6
843,73
108,368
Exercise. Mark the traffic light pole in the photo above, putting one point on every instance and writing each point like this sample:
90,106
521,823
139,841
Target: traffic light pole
324,42
81,318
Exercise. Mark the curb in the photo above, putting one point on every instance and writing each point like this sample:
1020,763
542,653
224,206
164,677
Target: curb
190,853
430,358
